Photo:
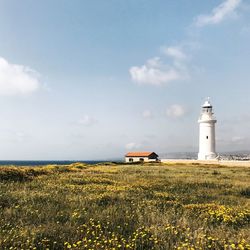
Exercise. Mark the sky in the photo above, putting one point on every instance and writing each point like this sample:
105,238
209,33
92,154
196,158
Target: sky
94,79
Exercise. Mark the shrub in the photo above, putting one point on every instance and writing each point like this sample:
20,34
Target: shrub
14,174
245,192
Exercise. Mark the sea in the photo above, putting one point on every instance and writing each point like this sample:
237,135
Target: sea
42,163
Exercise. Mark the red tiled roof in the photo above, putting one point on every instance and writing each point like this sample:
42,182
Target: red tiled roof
139,154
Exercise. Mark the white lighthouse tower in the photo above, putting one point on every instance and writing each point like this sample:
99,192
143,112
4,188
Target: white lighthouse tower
207,132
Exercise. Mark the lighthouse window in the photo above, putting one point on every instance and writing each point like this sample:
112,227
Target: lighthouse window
207,137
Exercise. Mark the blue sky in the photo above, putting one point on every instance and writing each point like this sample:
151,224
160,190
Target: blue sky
84,80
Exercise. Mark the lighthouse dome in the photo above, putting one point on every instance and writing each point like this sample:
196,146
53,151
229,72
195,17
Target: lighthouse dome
207,103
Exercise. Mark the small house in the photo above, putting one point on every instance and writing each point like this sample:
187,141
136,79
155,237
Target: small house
141,157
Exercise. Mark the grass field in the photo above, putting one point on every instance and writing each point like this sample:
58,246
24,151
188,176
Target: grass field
163,206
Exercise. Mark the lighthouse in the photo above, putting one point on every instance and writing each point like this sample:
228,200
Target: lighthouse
207,132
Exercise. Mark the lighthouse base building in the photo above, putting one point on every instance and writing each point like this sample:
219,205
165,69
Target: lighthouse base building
207,133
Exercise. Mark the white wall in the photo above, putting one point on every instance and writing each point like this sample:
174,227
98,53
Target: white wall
137,159
207,140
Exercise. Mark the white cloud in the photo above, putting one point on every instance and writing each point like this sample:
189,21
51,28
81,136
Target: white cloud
219,13
238,139
147,114
17,79
154,72
174,52
132,146
87,121
176,111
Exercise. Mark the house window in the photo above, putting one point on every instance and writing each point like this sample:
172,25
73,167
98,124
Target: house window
207,137
141,159
131,160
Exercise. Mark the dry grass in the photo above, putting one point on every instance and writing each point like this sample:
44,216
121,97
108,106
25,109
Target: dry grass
163,206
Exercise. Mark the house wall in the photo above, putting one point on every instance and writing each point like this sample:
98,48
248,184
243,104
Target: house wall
137,159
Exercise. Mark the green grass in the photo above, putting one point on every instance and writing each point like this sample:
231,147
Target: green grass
112,206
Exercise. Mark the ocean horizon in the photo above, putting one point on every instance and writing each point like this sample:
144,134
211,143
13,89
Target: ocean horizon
169,155
49,162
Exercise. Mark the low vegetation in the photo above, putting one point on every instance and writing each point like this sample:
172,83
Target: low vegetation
112,206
